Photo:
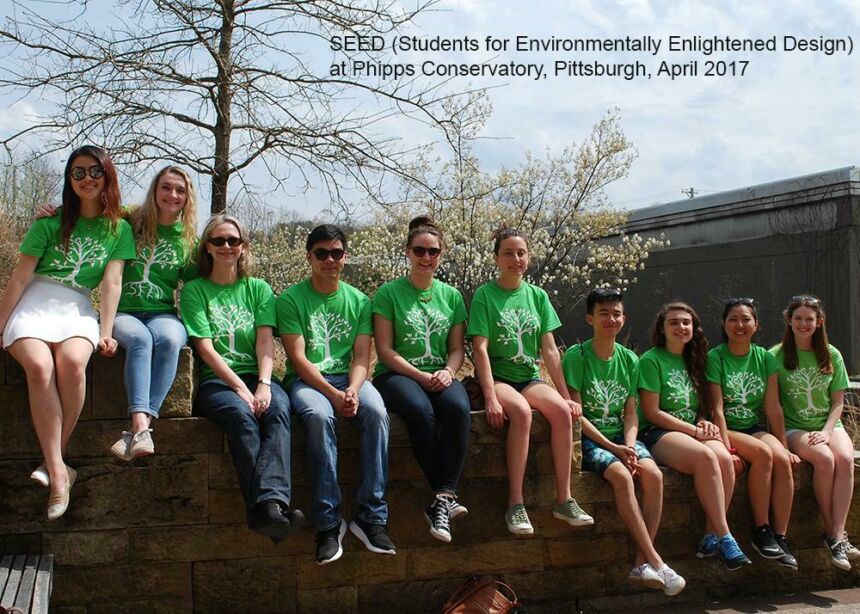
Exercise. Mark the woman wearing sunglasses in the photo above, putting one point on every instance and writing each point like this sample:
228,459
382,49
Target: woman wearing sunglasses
48,322
146,326
419,324
229,316
743,382
672,395
511,324
812,384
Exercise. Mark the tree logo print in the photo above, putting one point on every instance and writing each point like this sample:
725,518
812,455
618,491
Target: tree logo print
82,250
325,329
517,323
227,320
681,391
162,255
424,325
804,381
740,388
606,394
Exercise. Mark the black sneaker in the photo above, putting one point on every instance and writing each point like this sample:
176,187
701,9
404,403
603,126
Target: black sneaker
764,543
438,516
267,518
330,543
373,536
788,559
838,553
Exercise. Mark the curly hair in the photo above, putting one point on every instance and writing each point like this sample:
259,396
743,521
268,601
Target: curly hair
695,351
820,343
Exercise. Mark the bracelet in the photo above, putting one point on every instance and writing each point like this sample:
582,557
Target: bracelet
450,370
267,382
732,450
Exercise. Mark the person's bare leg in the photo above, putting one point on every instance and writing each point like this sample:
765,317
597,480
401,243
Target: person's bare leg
759,458
782,484
519,415
843,479
553,407
71,357
823,470
621,481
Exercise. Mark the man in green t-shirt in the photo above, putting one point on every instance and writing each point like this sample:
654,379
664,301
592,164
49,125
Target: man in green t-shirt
326,327
603,376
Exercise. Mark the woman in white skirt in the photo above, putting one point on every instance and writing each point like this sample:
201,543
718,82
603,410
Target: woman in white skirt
48,322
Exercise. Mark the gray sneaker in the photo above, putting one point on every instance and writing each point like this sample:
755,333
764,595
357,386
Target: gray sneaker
141,444
518,520
571,513
120,448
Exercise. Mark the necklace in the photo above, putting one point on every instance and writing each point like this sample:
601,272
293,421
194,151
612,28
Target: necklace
424,296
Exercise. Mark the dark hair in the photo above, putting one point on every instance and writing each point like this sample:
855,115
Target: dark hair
600,296
695,351
732,303
820,342
110,195
503,232
325,232
423,225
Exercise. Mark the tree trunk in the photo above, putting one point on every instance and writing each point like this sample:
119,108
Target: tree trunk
223,122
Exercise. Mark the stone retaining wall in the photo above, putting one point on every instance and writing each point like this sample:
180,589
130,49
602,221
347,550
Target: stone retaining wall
167,534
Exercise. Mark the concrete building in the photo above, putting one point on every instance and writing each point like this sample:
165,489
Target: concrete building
768,242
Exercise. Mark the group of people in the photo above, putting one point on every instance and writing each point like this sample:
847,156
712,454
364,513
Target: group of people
698,411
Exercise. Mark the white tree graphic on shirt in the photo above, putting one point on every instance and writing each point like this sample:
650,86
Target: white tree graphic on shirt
82,250
605,394
163,256
517,322
424,325
227,320
804,381
681,391
739,388
326,328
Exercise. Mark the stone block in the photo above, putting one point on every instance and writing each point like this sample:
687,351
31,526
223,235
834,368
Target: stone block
174,436
588,487
576,552
17,437
246,585
418,597
358,566
80,548
118,583
489,460
482,433
327,600
24,543
487,558
221,471
201,543
135,606
556,584
226,506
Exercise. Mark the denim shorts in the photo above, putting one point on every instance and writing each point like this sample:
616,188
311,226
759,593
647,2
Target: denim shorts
650,435
518,386
598,459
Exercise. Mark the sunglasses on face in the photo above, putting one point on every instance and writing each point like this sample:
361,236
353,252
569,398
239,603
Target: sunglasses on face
96,171
323,254
222,241
419,251
805,298
731,302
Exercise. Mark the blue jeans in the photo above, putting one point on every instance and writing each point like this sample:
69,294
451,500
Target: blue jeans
260,447
152,342
317,414
438,425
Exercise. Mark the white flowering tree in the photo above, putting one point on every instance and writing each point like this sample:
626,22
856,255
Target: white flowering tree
681,392
804,382
517,323
605,394
81,251
227,321
161,255
280,255
326,328
424,325
740,386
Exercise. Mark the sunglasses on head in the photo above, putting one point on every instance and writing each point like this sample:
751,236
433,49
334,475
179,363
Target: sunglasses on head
222,241
731,302
420,251
79,172
608,293
805,298
323,254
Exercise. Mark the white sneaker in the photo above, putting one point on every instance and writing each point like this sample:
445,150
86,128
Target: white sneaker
40,475
141,444
646,575
674,583
120,448
457,509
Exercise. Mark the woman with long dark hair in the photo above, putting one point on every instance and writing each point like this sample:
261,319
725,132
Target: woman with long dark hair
48,322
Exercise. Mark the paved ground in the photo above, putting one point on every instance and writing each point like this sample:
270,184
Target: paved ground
844,600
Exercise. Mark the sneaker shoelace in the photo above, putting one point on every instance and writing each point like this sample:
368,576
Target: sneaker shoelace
441,512
840,548
730,549
574,508
519,515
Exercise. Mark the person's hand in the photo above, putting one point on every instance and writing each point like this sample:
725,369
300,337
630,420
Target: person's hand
819,437
738,464
246,396
350,396
440,380
107,346
628,456
794,459
427,382
575,409
342,407
495,413
708,430
262,399
45,210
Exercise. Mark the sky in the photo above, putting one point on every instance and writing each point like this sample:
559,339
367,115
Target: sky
792,113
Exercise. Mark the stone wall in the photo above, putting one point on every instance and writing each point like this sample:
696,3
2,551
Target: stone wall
167,534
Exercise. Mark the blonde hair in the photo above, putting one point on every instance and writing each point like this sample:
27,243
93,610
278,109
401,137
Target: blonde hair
204,260
144,219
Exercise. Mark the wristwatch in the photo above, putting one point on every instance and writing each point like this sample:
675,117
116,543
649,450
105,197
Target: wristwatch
268,382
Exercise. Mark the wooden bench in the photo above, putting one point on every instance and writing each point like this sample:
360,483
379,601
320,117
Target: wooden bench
25,583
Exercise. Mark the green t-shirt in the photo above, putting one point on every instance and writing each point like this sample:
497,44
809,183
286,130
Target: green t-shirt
513,321
604,385
743,380
91,246
230,316
421,320
329,323
805,392
665,373
149,281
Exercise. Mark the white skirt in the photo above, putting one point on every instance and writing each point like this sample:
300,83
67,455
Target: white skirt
52,312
